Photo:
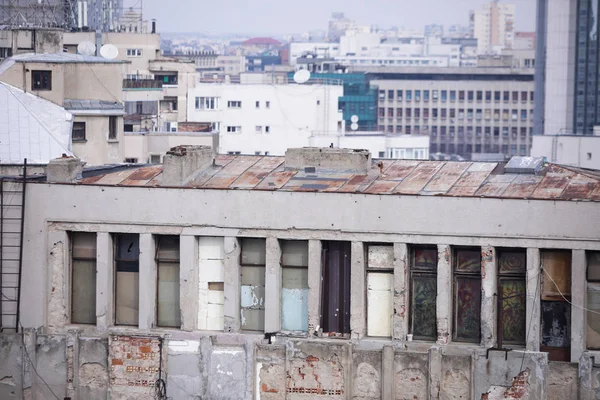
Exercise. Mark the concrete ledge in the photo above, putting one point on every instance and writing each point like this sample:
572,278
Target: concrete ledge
347,160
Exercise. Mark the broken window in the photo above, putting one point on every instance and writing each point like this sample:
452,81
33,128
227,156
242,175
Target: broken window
380,283
335,293
512,266
252,263
467,295
593,299
556,311
167,298
127,293
294,285
83,278
211,274
423,292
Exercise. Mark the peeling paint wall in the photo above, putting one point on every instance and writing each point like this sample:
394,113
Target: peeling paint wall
562,380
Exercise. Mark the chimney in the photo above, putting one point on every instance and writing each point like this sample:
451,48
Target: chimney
182,163
153,26
64,170
316,159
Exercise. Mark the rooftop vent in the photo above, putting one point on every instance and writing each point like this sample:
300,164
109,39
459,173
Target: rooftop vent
524,165
317,159
182,163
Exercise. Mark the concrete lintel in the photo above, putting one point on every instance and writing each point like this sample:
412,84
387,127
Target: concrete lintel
147,280
578,298
444,294
273,286
489,284
314,285
532,327
358,306
188,281
104,281
388,373
400,317
231,309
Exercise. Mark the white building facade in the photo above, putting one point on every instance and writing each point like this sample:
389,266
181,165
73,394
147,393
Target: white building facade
494,27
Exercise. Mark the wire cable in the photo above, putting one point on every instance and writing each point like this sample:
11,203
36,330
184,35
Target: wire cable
567,300
530,319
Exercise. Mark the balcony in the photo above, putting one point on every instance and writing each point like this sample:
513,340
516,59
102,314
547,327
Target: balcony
142,84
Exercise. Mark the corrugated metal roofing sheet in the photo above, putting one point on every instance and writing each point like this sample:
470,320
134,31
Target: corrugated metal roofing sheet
455,179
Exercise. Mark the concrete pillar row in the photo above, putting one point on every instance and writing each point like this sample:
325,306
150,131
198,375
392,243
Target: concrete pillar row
314,285
147,279
444,294
188,282
358,302
489,285
104,281
273,275
231,309
401,292
579,300
533,310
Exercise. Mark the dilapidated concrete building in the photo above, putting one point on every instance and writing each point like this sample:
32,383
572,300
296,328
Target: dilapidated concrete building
321,274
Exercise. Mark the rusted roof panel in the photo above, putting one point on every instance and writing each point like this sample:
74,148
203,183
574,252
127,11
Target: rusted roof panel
382,187
142,176
419,177
399,170
230,172
554,183
446,177
256,173
522,186
276,180
580,187
329,182
91,179
359,183
495,185
471,180
115,178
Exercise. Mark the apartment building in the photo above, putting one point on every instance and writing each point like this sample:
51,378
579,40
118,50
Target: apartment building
494,27
88,87
255,115
320,273
463,110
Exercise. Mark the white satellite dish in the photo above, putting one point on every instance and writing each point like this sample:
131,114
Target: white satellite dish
302,76
354,126
354,118
109,51
86,48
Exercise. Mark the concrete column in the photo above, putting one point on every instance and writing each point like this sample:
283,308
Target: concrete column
188,282
400,317
388,372
533,312
29,361
231,309
358,303
72,357
147,279
104,281
586,385
435,372
489,285
273,286
59,298
444,294
314,285
579,300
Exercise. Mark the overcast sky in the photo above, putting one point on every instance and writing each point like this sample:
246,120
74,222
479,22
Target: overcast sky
275,17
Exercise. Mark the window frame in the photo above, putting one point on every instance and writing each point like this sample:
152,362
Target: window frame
116,241
510,276
424,273
158,260
264,267
45,80
80,124
377,270
112,128
463,274
72,259
289,267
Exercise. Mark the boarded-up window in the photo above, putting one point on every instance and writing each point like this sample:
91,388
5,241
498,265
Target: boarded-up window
211,276
335,293
127,290
423,292
512,265
83,278
253,284
556,311
593,299
380,283
467,295
294,285
167,298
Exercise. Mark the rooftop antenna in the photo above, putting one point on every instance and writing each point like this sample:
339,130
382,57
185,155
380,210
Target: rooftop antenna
109,51
302,76
354,120
86,48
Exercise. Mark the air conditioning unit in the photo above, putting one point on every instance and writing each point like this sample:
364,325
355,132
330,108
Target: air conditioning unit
171,126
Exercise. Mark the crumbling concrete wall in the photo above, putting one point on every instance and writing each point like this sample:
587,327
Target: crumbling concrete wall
270,372
456,378
367,379
93,368
187,376
51,365
562,381
11,366
411,376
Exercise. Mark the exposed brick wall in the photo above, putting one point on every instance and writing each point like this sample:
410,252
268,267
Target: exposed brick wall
518,390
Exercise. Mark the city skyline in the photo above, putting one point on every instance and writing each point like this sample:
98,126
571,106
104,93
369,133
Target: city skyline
270,17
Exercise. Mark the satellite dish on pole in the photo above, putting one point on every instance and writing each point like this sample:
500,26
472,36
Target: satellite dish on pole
109,51
354,126
302,76
354,118
86,48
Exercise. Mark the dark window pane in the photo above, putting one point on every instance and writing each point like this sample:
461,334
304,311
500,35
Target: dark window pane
425,258
468,260
556,324
424,293
512,262
468,308
512,309
128,247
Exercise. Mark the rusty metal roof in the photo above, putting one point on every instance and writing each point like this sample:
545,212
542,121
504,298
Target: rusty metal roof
393,177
